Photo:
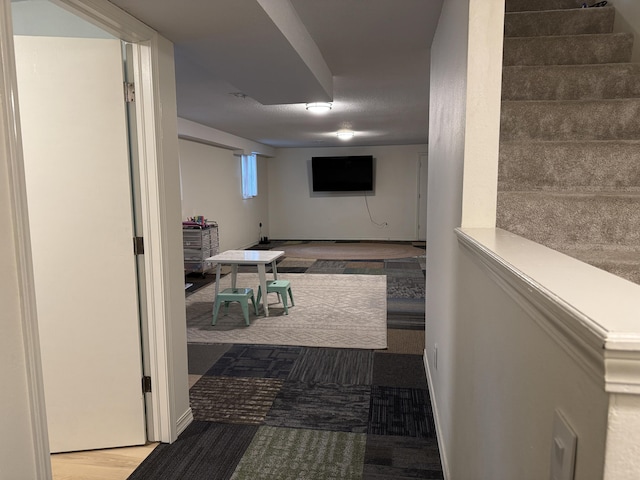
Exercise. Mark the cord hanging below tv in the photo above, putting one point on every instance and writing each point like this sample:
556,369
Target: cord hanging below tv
342,174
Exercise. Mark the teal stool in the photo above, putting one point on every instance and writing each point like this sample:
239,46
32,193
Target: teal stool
281,287
241,295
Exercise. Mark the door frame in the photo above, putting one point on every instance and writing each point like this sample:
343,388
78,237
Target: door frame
161,424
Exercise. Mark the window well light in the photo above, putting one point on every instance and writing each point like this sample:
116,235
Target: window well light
319,107
345,134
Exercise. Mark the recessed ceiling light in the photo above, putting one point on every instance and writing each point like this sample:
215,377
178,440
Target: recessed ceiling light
319,107
345,134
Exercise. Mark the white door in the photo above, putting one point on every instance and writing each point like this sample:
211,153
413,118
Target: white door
74,135
422,196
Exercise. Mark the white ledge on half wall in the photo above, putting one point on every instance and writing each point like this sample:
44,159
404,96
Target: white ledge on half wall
595,315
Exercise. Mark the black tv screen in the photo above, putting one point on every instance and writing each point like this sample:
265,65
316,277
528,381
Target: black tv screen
342,174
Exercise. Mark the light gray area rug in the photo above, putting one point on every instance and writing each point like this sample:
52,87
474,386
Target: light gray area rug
336,311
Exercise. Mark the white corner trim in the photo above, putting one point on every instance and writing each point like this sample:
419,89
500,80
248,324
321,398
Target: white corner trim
436,418
611,357
184,421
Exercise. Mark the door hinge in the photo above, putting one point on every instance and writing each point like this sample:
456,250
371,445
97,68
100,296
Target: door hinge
138,245
146,384
129,92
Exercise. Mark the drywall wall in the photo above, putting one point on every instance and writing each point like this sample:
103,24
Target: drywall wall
509,375
447,108
463,156
295,212
211,186
628,20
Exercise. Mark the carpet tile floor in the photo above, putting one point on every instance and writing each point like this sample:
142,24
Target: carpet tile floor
300,413
273,412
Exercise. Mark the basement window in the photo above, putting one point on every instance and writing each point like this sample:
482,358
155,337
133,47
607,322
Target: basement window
249,176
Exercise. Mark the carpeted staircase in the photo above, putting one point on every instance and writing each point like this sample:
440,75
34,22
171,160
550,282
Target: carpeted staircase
569,174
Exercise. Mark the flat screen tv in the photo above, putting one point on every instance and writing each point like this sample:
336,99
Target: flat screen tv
342,174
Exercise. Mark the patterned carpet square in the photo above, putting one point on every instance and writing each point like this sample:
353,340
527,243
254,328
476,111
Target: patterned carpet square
400,458
233,400
292,269
364,271
401,411
343,408
341,366
202,452
403,264
201,357
328,267
394,370
294,454
406,287
296,262
368,265
405,341
262,361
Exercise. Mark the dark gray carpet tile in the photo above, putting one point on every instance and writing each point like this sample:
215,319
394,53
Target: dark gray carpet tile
321,407
401,458
292,269
402,264
399,370
407,273
329,365
406,287
330,264
409,306
401,411
204,451
364,271
406,321
263,361
391,261
197,281
232,399
297,454
201,357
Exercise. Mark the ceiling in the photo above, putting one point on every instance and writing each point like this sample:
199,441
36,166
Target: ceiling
247,67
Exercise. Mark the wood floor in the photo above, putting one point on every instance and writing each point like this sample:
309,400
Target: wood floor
112,464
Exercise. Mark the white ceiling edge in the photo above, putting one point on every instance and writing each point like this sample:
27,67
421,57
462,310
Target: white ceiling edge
286,19
197,132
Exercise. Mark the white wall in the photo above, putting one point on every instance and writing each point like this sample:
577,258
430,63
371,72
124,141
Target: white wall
211,186
509,375
628,20
296,213
444,208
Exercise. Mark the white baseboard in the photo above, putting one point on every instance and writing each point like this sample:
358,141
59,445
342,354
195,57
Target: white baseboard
436,417
184,421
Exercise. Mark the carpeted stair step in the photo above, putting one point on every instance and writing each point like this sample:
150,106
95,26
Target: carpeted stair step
623,263
530,5
563,220
571,82
568,49
595,166
617,119
578,21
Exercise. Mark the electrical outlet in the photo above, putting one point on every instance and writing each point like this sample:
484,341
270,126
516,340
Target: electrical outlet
563,449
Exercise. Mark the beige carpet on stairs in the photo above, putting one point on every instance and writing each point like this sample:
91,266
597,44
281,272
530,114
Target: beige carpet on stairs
569,173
